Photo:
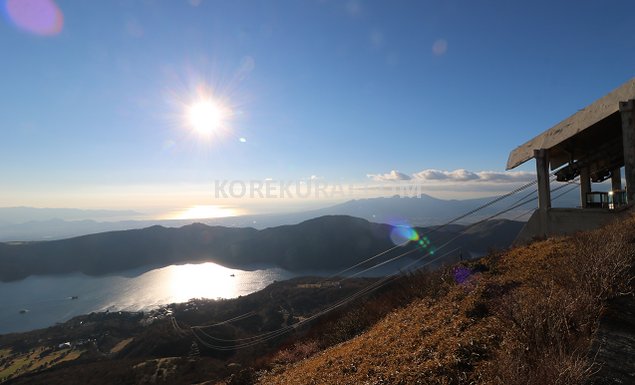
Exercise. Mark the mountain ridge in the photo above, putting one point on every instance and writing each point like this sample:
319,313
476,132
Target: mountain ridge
324,243
423,210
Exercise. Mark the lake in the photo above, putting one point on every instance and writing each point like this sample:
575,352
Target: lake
49,299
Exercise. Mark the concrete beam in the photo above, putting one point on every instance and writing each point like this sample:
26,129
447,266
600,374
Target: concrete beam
542,171
616,179
585,185
627,110
573,125
544,192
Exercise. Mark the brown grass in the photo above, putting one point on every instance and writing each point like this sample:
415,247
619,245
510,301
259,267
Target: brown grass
120,345
526,316
15,364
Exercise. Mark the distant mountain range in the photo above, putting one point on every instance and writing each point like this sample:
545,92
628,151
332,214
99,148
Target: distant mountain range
52,229
15,215
325,243
50,224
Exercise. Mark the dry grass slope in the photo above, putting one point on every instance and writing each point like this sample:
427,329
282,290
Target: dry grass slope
525,316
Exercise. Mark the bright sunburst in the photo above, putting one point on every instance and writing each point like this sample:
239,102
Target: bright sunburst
206,116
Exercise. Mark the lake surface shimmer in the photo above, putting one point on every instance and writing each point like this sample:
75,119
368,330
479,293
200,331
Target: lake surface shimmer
41,301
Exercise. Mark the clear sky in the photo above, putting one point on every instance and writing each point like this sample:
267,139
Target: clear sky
96,96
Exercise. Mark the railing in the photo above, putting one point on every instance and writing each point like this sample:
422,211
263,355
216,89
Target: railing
606,200
617,198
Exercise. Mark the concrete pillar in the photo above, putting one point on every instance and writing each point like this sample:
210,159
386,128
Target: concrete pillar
627,109
585,185
616,179
544,192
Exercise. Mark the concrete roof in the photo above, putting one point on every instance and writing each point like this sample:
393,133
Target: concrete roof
576,123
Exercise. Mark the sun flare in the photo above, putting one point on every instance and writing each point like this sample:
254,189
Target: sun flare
205,212
206,116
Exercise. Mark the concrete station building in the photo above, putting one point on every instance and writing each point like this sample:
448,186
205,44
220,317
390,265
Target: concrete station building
594,145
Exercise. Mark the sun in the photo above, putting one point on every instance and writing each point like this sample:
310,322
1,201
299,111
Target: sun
206,116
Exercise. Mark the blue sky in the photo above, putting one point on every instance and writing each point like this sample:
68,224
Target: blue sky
92,114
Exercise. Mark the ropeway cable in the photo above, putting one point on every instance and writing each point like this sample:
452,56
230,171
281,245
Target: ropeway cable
500,198
340,273
356,294
250,341
340,303
493,201
382,253
237,318
516,204
435,229
556,189
273,334
553,199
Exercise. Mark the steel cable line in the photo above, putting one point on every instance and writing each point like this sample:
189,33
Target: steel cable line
554,198
340,303
493,201
498,199
557,189
273,334
237,318
552,178
517,204
371,287
269,335
338,274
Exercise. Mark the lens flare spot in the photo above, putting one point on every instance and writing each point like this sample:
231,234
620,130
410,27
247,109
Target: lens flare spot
461,274
40,17
440,47
401,234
